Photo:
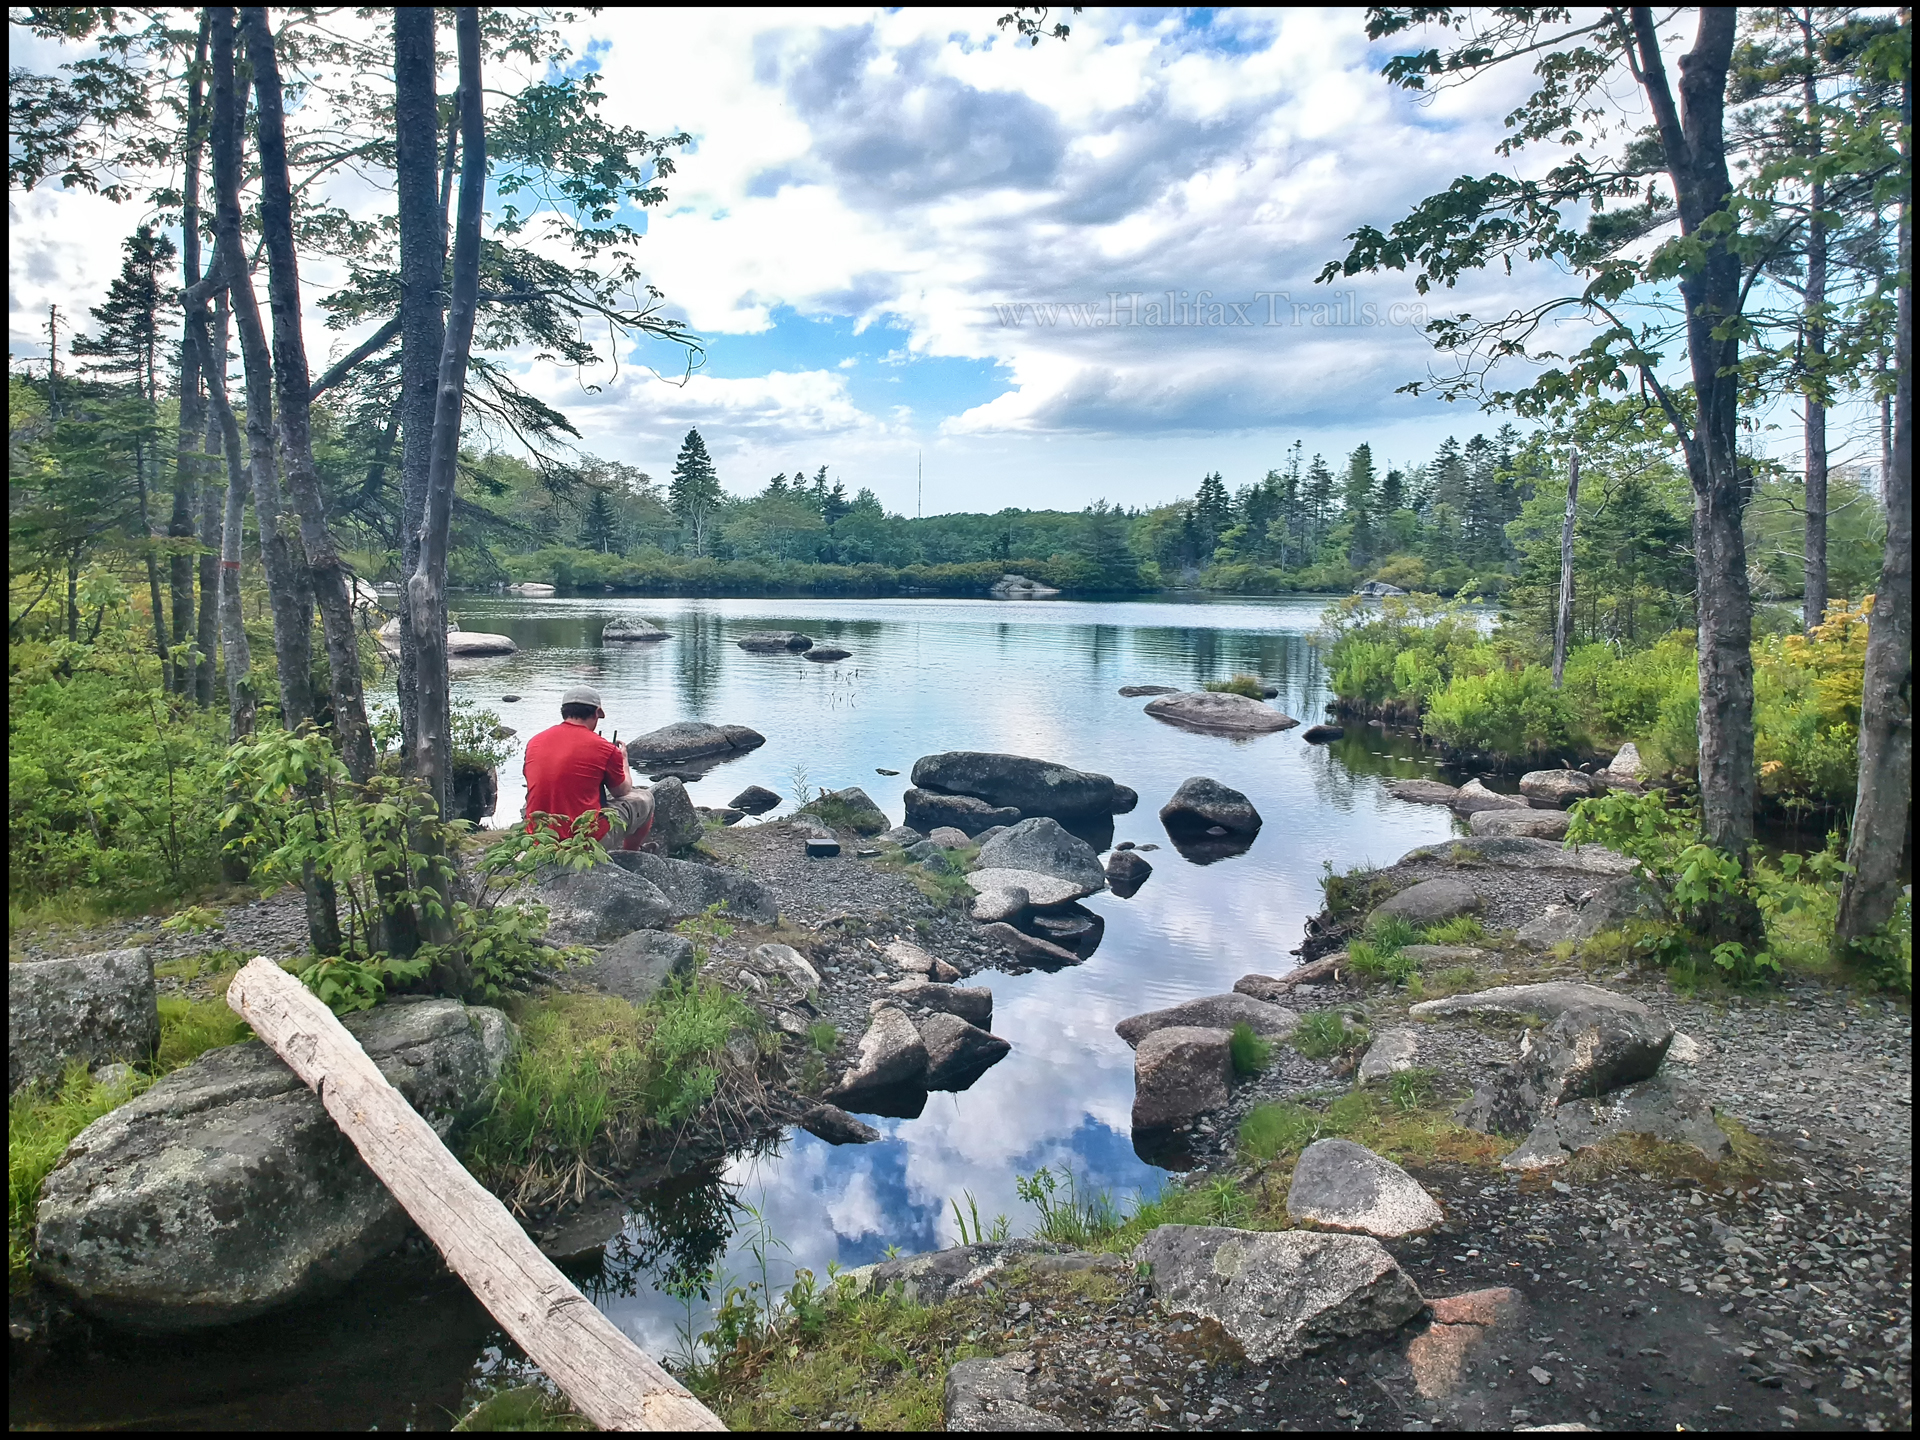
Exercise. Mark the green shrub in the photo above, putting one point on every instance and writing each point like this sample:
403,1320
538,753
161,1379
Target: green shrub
1391,656
1461,930
1390,932
1251,686
1514,714
823,1035
1326,1032
1251,1053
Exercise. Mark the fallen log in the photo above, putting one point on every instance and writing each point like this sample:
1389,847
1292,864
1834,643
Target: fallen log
604,1374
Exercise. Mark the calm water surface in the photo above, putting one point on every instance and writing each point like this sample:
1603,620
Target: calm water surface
1033,678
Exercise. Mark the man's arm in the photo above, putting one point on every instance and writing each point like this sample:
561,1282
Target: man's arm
619,783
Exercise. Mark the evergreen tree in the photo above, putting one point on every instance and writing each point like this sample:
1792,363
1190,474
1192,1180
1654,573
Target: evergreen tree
695,495
833,501
1317,506
777,486
1212,515
1393,492
599,526
1360,504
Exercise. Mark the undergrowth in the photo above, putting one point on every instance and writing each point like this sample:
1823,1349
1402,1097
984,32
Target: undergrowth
1251,686
1327,1032
41,1122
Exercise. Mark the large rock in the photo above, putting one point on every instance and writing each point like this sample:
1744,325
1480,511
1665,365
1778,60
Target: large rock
635,966
598,906
1218,1012
851,807
929,810
1017,782
1431,901
972,1003
92,1008
1041,844
1201,803
957,1052
755,800
835,1126
226,1190
477,644
1279,1294
982,1394
1391,1052
1517,852
693,887
769,641
1549,1000
1423,792
1220,712
1323,734
1137,691
1003,902
1019,587
1558,788
1595,1044
826,654
1180,1073
676,824
691,740
624,628
1663,1108
1338,1185
1041,891
1607,906
891,1054
1473,797
1627,765
1537,824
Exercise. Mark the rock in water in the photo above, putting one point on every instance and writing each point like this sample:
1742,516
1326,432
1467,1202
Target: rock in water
226,1190
1180,1073
1559,788
1200,803
1474,796
91,1008
1217,1012
1043,846
1218,711
676,824
957,1052
1042,891
1423,792
1537,824
985,1394
826,654
1392,1051
1133,692
1378,589
1431,901
771,641
835,1126
1032,787
690,740
1339,1185
598,906
635,966
692,887
1019,587
891,1054
1279,1294
928,810
755,800
1028,947
1322,734
1127,871
972,1003
623,629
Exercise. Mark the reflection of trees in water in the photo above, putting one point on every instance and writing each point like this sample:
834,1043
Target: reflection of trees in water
1100,644
673,1235
697,635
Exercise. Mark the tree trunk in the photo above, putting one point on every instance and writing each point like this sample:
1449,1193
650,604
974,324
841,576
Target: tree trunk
207,637
426,588
1563,617
153,565
608,1378
233,630
73,596
1692,138
188,453
1814,608
1884,795
422,330
330,580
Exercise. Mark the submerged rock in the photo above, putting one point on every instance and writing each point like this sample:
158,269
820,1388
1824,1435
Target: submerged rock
622,629
1322,734
1338,1185
1215,710
1133,692
90,1008
226,1190
1279,1294
826,654
770,641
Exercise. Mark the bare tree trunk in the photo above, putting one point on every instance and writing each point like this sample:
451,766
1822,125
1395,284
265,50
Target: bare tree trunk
240,698
1814,608
188,454
426,589
207,637
1563,617
330,580
1882,801
423,254
287,590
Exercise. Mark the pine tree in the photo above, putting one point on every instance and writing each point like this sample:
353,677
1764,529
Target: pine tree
777,486
1360,505
599,526
1212,514
1393,492
695,493
833,501
1317,505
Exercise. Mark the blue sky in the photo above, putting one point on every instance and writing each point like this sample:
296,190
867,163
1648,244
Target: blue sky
872,196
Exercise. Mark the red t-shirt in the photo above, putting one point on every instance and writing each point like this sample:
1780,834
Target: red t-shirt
565,767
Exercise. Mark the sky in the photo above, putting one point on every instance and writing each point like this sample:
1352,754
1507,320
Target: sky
1041,275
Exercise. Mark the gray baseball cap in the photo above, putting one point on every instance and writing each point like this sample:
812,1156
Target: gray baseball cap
582,695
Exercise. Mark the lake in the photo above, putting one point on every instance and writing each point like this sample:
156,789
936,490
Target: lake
1035,678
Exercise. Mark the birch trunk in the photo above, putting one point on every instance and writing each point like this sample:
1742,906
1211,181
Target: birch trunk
1563,617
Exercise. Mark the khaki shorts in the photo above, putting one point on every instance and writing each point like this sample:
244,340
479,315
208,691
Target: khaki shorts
634,817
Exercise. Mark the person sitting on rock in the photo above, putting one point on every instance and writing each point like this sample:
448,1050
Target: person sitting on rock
568,767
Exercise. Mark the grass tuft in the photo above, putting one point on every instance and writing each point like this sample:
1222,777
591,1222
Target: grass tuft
1251,1053
190,1028
1251,686
1461,930
1326,1032
41,1122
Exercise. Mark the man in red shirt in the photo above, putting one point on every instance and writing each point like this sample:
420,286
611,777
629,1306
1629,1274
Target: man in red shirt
566,768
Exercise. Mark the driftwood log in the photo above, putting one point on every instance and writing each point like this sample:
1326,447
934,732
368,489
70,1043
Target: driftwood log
604,1374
